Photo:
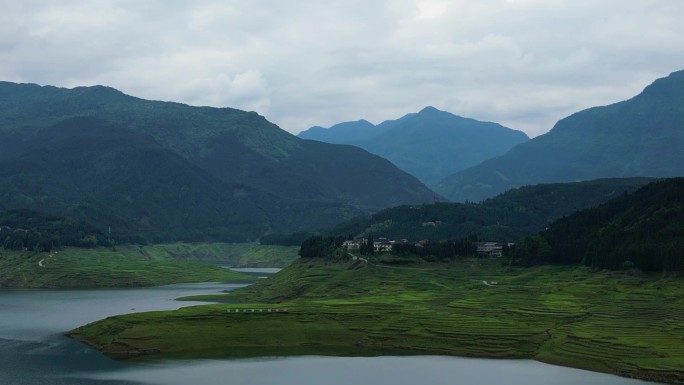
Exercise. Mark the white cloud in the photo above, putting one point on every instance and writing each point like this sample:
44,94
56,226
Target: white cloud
431,9
523,63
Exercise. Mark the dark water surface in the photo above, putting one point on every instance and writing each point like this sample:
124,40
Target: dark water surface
33,351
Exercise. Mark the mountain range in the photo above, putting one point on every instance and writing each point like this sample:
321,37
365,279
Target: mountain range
155,170
161,171
430,144
642,136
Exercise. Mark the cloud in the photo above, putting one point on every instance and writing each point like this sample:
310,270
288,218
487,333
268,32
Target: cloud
523,63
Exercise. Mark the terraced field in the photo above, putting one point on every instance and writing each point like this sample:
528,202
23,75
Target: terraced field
626,323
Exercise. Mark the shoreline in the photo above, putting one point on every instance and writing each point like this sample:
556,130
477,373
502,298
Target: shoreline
128,266
564,316
153,356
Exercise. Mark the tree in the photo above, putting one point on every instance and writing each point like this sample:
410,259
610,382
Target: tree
367,247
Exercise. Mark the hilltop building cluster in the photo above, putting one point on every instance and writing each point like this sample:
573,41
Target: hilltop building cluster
380,245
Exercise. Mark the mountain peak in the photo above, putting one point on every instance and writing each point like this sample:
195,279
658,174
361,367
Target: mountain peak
430,144
436,113
430,110
641,136
341,133
668,87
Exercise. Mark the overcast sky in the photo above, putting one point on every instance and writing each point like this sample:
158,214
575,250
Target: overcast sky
521,63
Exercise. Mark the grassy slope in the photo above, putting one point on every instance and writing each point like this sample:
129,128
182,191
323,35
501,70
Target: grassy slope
234,254
128,266
613,322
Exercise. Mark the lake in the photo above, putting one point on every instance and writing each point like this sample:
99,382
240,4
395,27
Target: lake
33,351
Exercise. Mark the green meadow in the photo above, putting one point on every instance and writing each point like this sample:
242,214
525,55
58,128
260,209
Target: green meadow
233,254
128,266
134,265
627,323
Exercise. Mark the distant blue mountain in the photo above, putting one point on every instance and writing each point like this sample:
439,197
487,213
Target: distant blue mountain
430,144
342,133
642,136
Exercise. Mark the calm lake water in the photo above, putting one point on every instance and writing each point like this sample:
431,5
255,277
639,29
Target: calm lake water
33,351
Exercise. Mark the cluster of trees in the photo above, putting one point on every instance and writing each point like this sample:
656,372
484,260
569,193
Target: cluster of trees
438,250
508,217
35,231
367,247
644,229
322,247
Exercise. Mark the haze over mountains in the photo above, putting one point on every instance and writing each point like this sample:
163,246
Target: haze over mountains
430,144
167,171
642,136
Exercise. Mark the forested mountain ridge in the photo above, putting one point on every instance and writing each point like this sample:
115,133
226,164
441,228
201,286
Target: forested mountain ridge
430,144
504,218
643,229
642,136
179,171
110,176
187,130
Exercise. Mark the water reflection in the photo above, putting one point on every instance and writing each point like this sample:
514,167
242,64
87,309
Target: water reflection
359,371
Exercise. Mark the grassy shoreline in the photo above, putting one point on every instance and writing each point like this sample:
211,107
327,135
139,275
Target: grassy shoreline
616,322
135,266
73,268
233,254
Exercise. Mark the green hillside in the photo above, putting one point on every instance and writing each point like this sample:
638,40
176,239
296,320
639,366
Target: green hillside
115,178
507,217
34,231
642,136
644,229
126,266
159,171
